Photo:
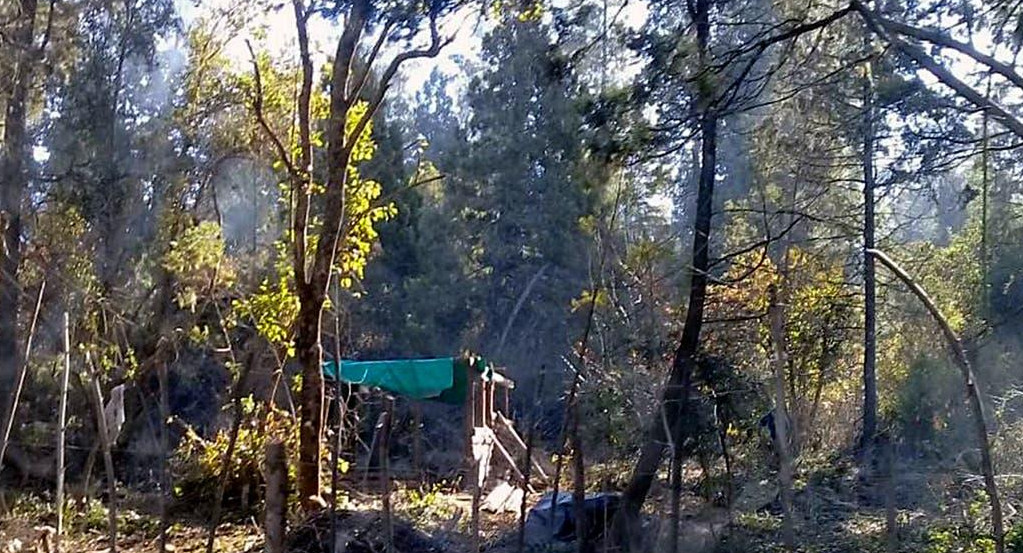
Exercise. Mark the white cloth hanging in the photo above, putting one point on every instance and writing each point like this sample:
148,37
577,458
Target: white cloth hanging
113,413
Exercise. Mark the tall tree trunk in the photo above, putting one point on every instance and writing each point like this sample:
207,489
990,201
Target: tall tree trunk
985,255
869,281
313,286
311,402
13,185
313,268
675,397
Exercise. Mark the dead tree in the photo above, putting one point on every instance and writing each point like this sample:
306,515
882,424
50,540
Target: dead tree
972,394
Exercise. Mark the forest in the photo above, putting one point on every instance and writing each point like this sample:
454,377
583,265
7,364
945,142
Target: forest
353,276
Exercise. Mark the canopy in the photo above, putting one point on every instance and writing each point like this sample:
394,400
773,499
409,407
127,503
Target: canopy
443,379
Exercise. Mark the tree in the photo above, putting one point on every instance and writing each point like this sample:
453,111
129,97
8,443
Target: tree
323,227
722,81
869,280
15,162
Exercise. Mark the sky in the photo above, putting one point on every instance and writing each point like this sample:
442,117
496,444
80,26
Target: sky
466,29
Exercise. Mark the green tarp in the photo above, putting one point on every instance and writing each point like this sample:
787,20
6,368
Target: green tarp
442,379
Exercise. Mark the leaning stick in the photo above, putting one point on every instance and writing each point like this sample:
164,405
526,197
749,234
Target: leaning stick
973,395
9,424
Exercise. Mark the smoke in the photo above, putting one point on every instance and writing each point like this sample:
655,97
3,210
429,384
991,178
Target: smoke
247,198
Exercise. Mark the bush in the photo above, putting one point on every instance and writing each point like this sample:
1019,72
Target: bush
198,463
1014,539
927,403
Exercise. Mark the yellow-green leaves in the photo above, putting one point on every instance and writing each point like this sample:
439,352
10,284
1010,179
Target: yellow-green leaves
588,297
273,308
197,260
364,147
362,210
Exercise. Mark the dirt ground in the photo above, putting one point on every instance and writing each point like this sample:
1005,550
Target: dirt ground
838,512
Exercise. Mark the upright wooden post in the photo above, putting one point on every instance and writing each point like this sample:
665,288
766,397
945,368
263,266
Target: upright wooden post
484,403
477,484
468,416
472,462
62,429
490,403
385,463
108,460
417,438
165,477
276,504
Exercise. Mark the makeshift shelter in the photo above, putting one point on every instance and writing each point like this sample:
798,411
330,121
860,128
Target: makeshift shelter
469,380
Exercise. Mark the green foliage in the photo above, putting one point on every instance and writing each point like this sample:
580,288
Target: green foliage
198,463
1014,539
362,213
927,399
197,260
956,540
273,307
424,503
971,534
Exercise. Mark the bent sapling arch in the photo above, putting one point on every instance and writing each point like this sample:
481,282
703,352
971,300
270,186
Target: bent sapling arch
973,395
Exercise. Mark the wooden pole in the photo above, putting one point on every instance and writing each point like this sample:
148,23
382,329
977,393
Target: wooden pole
108,460
468,416
490,403
276,505
781,417
385,463
417,438
477,475
16,397
62,430
973,395
472,460
339,406
165,477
